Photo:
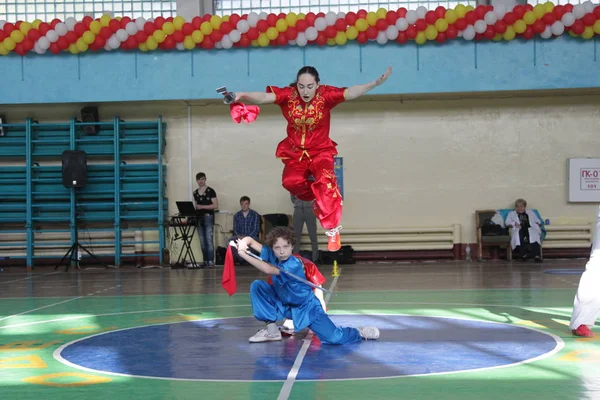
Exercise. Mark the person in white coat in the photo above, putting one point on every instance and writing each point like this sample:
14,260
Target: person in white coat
526,238
586,306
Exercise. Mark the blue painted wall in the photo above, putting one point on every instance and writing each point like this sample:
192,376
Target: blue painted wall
456,66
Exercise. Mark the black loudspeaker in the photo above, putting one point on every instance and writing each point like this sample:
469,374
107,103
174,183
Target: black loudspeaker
74,168
2,121
90,114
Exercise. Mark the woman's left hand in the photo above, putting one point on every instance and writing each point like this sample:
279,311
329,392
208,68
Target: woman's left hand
384,77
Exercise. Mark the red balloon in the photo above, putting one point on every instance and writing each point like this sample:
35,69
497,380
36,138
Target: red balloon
282,40
440,12
578,27
301,25
244,41
559,11
18,24
196,22
461,24
170,19
169,42
3,35
272,19
500,26
490,32
340,25
262,25
589,19
253,34
321,39
19,49
131,42
79,29
124,21
350,18
216,35
596,11
510,18
114,25
371,32
206,17
187,29
28,44
489,7
402,38
568,7
54,22
9,27
62,43
159,22
471,17
43,28
411,32
451,32
528,7
33,34
362,14
391,17
178,36
528,34
99,42
71,37
105,32
86,21
330,32
362,38
291,33
125,46
149,28
234,19
441,37
226,27
480,11
402,12
430,17
479,37
539,26
321,14
207,43
421,24
54,48
549,18
141,36
519,11
310,18
381,24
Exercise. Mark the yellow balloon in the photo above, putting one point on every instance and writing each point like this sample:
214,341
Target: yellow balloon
206,28
450,16
291,19
118,18
441,25
81,45
281,25
460,10
529,17
272,33
105,20
88,37
596,27
381,13
509,34
331,42
420,39
189,43
151,43
73,48
143,47
95,27
168,28
572,33
371,18
263,40
548,6
469,8
159,36
520,26
225,18
254,43
430,32
340,38
178,22
9,44
197,37
3,50
17,36
36,23
361,24
497,37
215,21
351,33
588,33
25,27
539,10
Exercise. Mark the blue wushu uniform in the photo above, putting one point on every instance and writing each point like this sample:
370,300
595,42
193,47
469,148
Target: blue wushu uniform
292,299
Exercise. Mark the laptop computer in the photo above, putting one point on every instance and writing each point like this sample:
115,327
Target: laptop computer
186,208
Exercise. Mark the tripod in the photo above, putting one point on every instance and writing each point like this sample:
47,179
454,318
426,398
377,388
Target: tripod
73,256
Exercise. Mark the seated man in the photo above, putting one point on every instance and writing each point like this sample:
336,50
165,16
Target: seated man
246,222
526,237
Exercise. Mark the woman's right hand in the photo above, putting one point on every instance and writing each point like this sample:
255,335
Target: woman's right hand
238,96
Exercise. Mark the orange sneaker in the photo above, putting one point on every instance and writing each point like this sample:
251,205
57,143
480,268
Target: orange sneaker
583,331
335,242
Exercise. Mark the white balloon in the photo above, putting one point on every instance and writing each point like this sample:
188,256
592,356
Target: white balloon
52,36
311,33
61,29
253,19
579,11
114,42
243,26
179,46
263,15
330,18
140,22
226,42
2,22
320,24
122,35
547,34
131,28
459,34
301,40
480,26
44,43
588,6
391,32
500,10
381,38
490,18
401,24
218,45
341,15
568,19
107,47
292,42
70,23
235,36
411,16
421,11
557,28
469,33
151,20
38,49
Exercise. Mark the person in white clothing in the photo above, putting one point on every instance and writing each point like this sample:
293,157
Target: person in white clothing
526,235
586,306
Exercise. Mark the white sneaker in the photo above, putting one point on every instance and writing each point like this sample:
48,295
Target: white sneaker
264,336
287,328
369,332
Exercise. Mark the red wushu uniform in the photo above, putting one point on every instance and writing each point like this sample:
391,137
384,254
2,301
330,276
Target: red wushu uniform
308,150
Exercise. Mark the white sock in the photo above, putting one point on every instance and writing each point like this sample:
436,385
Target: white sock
272,329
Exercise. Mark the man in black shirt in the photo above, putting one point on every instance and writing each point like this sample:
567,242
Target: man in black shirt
206,204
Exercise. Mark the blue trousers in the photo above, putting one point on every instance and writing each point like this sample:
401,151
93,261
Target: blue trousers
267,307
205,229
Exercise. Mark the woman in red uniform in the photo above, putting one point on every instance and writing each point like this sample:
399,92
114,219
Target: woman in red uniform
307,152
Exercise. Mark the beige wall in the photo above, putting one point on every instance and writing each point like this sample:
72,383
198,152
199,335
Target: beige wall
411,163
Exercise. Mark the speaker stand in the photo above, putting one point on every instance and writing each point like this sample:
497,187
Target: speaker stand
72,257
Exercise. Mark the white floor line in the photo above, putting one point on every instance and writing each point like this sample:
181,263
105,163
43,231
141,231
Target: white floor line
286,389
30,277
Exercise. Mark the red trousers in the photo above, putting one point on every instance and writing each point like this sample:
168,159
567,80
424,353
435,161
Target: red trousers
324,189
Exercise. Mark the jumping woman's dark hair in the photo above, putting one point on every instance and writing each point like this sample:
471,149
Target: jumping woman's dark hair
306,70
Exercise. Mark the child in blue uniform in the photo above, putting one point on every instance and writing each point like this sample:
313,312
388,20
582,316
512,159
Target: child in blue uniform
289,298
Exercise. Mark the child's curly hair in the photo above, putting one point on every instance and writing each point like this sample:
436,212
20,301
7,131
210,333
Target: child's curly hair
280,232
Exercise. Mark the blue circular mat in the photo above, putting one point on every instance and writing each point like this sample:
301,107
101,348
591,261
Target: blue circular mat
218,349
